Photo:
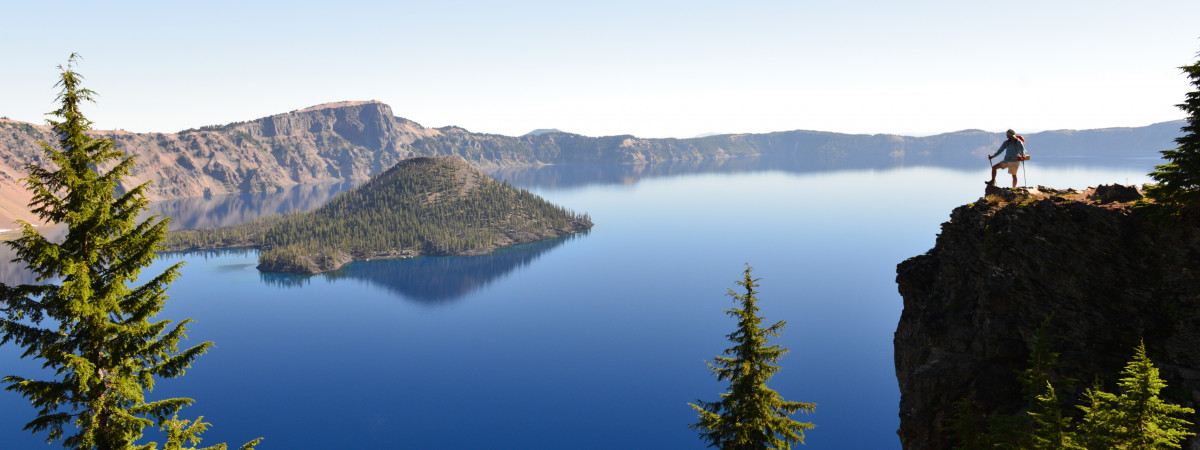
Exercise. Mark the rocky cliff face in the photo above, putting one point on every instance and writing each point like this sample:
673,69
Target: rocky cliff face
338,141
1105,276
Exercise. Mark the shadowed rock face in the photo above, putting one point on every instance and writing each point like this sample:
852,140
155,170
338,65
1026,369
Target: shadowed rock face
1104,275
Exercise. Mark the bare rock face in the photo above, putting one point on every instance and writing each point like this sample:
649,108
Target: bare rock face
1109,193
1105,275
339,141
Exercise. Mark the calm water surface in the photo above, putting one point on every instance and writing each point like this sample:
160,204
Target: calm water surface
591,341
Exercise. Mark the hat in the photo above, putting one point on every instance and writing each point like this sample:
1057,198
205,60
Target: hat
1010,132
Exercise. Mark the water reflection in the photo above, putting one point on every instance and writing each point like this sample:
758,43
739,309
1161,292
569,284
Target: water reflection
14,273
233,209
431,279
203,212
579,175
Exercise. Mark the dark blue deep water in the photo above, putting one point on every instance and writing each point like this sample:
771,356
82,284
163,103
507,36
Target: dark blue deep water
591,341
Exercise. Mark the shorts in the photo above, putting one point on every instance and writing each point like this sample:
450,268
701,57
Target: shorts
1012,166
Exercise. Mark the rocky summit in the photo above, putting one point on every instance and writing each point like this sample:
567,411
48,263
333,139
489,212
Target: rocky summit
1105,274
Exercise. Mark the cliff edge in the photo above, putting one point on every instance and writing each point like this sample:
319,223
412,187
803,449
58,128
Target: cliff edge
1104,273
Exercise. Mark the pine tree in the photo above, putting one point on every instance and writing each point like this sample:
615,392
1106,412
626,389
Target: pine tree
93,332
1179,179
750,415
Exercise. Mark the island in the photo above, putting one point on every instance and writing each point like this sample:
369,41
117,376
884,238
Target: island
420,206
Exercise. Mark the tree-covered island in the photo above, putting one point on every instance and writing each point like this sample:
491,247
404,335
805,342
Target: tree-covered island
421,206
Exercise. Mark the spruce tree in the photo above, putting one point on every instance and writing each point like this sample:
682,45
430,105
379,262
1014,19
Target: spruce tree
750,415
96,335
1179,179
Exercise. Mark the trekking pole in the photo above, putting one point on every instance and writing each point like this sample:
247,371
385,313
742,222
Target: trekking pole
989,162
1024,175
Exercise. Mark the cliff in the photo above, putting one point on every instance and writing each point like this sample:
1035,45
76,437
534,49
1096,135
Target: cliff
339,141
1105,274
420,206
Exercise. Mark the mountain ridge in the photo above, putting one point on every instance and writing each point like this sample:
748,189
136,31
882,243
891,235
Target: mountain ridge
353,140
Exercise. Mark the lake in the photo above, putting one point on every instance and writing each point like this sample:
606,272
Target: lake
597,340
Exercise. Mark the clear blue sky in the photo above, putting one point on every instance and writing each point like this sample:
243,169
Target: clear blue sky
648,68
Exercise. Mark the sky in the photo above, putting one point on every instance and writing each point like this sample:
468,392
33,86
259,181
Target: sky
646,67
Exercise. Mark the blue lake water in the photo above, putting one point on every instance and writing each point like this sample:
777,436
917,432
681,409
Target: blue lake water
591,341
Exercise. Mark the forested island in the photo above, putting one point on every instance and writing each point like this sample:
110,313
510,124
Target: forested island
420,206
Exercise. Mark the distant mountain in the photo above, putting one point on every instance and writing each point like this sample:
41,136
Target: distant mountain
541,131
354,140
421,206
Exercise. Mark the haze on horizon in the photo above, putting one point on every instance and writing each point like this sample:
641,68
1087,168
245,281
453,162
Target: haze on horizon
651,69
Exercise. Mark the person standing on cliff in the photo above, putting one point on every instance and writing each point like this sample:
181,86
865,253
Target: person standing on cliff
1013,149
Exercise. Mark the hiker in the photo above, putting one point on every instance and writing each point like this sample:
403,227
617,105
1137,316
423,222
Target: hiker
1013,149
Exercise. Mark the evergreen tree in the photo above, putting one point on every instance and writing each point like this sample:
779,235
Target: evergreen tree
1179,179
750,415
1050,428
93,332
1137,418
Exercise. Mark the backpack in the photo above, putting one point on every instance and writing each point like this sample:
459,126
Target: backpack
1024,157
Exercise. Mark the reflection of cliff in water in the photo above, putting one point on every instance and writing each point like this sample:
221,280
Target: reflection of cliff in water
574,175
561,176
14,273
233,209
432,279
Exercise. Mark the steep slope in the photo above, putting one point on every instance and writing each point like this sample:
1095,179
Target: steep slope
1104,274
338,141
421,206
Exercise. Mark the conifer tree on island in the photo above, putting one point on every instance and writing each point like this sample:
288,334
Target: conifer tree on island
96,335
750,415
1179,179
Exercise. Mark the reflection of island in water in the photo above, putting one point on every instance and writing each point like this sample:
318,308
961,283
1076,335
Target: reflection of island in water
432,279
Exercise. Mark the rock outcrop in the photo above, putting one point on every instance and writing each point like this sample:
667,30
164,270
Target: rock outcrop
1106,275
